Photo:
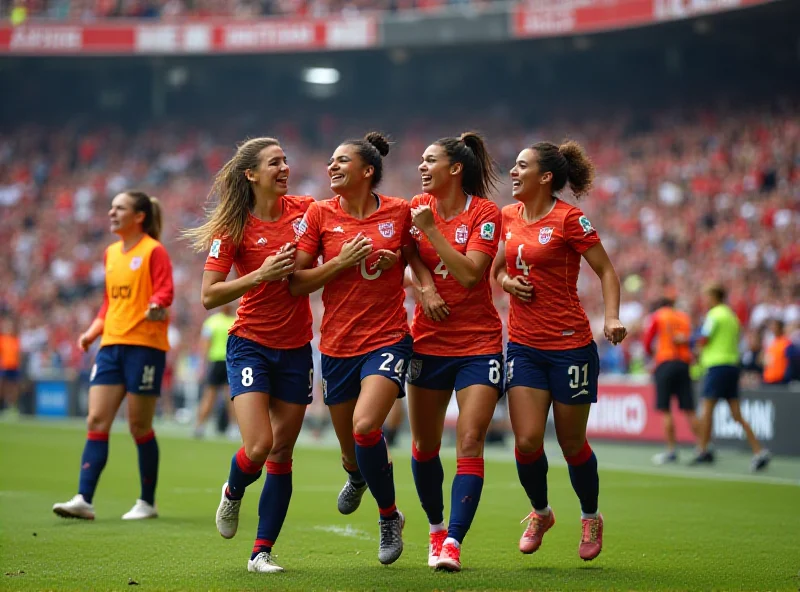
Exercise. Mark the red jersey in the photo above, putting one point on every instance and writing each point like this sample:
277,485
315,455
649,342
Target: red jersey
473,326
364,307
548,253
672,328
268,314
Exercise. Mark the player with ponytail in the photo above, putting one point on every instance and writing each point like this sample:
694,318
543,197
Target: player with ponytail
551,358
133,325
458,335
365,342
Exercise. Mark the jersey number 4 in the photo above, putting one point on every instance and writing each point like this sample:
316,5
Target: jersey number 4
521,262
441,270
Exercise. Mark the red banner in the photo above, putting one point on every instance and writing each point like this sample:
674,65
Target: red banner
627,411
202,37
544,18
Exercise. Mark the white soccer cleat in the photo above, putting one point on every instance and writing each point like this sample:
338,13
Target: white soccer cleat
77,507
263,563
141,510
228,515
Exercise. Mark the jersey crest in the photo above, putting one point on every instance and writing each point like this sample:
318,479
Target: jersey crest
136,263
545,234
462,234
386,229
414,369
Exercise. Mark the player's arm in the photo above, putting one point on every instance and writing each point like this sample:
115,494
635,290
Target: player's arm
307,279
433,305
95,330
598,259
706,331
467,269
649,335
163,287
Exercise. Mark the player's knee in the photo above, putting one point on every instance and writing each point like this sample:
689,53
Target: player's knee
425,445
571,446
528,443
258,451
365,425
470,444
97,423
139,428
281,452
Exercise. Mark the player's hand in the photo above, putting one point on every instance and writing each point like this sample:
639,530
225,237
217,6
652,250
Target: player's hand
386,259
85,342
277,266
422,216
433,305
353,251
155,312
615,331
518,286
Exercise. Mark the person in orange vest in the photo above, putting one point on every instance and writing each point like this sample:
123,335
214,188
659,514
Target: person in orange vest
777,362
9,363
666,340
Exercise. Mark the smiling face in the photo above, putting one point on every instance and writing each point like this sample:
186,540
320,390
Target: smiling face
123,218
436,171
347,170
272,173
526,179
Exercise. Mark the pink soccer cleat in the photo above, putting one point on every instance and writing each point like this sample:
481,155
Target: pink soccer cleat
531,539
435,547
592,538
450,558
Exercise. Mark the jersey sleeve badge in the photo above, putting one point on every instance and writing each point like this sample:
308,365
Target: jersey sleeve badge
487,231
215,246
586,225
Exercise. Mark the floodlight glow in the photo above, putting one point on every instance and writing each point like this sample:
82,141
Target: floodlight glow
321,75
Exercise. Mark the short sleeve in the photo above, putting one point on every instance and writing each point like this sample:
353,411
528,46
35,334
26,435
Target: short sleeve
220,255
579,232
308,231
486,229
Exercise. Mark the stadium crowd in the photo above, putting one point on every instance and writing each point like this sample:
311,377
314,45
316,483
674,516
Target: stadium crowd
683,200
19,11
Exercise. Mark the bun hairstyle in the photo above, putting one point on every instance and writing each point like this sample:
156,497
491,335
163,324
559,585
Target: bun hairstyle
569,163
142,202
372,149
479,175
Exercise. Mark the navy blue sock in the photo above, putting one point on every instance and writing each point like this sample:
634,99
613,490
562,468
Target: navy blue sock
532,471
273,505
372,456
148,466
355,476
429,479
584,478
243,472
93,460
465,496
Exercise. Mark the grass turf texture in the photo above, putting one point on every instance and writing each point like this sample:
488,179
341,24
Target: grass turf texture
664,531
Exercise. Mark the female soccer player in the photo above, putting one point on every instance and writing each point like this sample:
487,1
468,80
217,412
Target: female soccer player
269,364
551,356
460,345
133,324
365,343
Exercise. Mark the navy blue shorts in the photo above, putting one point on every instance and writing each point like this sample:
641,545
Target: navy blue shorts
448,373
341,377
11,375
137,367
722,382
570,375
286,374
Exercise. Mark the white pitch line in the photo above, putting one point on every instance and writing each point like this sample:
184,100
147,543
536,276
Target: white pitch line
345,531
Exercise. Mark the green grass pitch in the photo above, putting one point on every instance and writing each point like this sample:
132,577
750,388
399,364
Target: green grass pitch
679,529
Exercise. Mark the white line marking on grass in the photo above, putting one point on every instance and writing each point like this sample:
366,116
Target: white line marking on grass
346,531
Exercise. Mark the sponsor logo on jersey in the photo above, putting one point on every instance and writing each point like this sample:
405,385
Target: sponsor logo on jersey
487,231
414,370
386,229
508,235
586,225
338,229
215,245
462,234
545,234
261,241
136,263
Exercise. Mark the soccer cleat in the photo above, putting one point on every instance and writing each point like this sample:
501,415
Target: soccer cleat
450,558
760,460
263,563
77,507
531,539
141,510
350,497
663,458
391,544
703,458
591,537
228,515
435,547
